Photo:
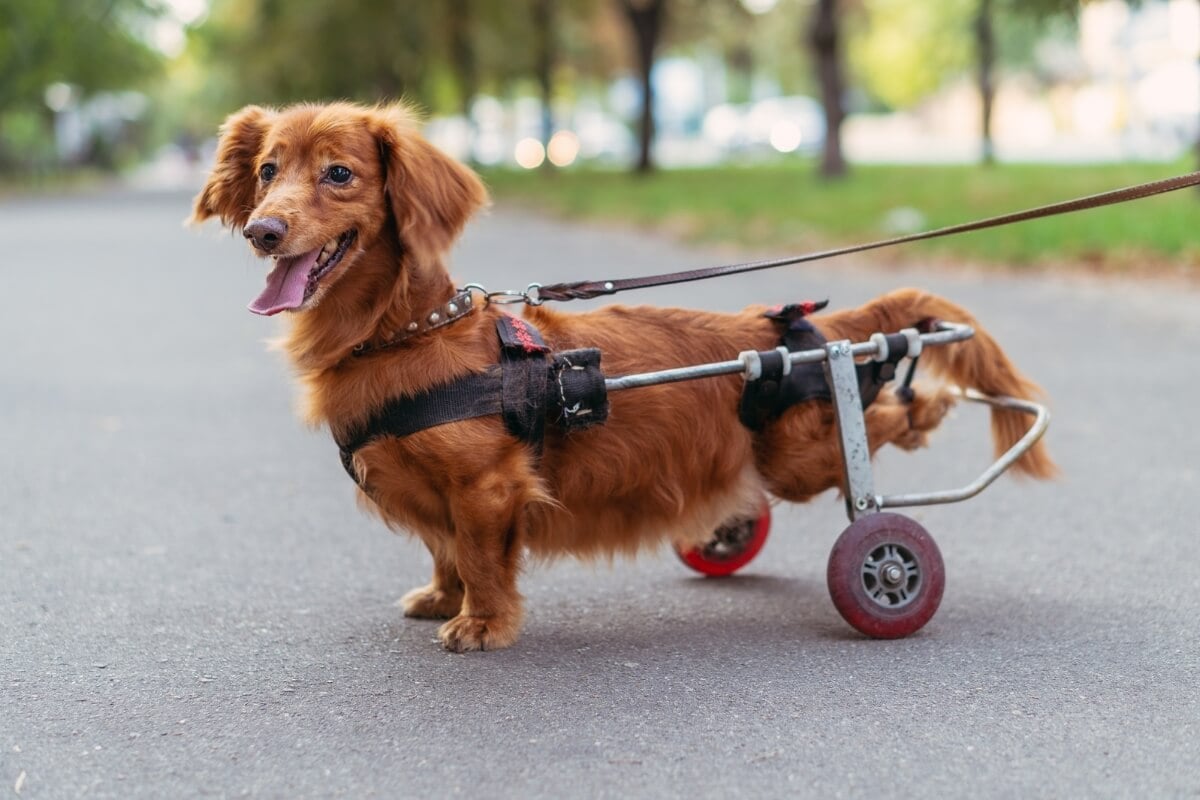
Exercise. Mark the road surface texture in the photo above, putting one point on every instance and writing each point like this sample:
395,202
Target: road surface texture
193,606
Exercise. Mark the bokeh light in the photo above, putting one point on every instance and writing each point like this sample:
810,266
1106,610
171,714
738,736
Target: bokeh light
529,153
563,149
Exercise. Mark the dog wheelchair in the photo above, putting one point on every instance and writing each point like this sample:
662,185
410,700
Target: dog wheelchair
885,572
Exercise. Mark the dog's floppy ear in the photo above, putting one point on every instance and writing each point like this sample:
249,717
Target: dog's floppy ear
431,195
229,192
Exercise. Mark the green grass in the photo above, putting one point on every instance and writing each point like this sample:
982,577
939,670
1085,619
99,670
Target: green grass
787,208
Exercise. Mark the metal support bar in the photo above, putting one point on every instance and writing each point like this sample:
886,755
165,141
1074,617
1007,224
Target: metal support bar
947,333
1041,421
839,358
852,430
839,361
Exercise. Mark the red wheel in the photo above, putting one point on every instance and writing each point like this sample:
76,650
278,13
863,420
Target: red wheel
886,576
733,546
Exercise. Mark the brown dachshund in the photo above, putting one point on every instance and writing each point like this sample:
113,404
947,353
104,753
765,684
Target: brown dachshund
356,213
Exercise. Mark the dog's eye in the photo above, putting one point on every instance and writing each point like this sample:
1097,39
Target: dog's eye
267,172
339,174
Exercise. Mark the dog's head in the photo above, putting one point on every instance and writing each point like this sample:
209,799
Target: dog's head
316,187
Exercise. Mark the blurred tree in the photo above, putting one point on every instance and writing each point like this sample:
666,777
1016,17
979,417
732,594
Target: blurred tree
91,46
985,45
758,42
907,50
546,53
985,50
464,61
369,50
442,55
824,37
727,29
646,19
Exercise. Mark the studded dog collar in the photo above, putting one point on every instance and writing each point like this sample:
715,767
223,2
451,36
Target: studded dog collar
457,307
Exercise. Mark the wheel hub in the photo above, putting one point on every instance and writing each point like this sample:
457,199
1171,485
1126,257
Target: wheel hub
891,575
730,540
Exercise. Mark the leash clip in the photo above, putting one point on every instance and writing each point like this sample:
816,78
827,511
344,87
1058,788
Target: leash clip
530,297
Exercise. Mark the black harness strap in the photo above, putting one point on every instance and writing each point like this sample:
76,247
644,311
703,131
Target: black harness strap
468,397
526,388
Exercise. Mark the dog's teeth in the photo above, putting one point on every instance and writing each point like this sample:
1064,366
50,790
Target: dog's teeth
328,250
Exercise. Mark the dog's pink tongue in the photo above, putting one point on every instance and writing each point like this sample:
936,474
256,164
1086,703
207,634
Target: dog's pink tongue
285,284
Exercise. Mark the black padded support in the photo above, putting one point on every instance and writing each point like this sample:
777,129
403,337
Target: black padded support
582,399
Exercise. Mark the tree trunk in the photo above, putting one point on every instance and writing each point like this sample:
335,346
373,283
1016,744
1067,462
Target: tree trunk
646,19
985,41
739,62
464,63
824,39
543,21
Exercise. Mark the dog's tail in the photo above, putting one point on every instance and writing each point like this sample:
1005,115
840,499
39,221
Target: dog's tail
977,363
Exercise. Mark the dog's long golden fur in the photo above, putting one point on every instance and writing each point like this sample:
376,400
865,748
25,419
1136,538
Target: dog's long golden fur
672,462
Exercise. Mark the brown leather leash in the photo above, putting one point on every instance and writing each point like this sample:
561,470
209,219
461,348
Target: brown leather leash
584,290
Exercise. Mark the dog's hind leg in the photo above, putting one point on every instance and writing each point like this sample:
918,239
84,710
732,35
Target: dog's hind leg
799,455
977,363
442,597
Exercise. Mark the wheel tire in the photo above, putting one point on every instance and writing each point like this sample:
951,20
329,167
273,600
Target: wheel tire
733,546
886,576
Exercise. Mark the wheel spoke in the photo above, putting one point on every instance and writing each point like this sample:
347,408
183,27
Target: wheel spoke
891,575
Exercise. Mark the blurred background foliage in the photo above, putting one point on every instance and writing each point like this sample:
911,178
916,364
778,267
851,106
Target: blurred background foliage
195,60
779,95
54,52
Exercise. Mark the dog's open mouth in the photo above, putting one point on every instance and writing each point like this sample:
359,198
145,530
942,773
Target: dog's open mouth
294,279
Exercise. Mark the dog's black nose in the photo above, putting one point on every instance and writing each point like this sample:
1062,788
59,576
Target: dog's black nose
266,232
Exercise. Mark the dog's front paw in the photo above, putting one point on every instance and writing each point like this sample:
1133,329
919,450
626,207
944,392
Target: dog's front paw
464,633
926,411
430,602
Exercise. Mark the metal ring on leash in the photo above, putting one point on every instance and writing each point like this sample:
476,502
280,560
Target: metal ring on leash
530,296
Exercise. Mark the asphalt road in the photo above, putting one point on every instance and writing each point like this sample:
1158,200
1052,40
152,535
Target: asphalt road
191,604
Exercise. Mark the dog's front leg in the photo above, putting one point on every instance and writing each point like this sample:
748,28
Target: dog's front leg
487,555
